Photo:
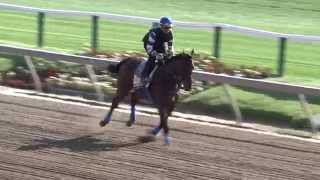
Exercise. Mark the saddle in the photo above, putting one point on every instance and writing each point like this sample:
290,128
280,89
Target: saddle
140,87
137,77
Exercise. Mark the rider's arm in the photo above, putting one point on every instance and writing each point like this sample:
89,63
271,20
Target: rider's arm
150,44
171,44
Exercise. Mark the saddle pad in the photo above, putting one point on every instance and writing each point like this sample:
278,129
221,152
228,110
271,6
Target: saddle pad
139,69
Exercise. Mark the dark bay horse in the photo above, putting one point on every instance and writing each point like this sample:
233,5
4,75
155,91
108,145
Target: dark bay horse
167,80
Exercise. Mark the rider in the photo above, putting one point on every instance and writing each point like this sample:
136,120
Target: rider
158,45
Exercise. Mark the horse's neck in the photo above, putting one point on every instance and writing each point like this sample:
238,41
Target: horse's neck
169,73
171,68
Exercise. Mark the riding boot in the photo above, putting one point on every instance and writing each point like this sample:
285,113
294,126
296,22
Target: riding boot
145,72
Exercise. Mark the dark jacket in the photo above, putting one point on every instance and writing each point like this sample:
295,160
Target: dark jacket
155,39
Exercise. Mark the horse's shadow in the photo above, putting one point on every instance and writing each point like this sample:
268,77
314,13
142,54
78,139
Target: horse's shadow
86,143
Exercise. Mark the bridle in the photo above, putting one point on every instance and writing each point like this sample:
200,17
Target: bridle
177,78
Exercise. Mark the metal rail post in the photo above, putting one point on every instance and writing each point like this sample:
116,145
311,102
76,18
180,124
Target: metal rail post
234,103
35,77
93,78
307,110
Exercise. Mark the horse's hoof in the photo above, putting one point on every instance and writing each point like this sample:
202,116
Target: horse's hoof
102,123
155,131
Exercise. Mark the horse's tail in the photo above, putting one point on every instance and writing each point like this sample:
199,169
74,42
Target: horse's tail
114,68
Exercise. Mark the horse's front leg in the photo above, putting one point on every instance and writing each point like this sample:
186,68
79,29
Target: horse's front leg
134,100
164,114
107,118
164,121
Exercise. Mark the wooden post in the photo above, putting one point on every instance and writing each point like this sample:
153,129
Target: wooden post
282,55
94,34
217,42
41,17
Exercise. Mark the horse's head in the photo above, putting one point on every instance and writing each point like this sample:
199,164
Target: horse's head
183,69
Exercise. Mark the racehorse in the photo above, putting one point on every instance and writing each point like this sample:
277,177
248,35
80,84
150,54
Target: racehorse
163,90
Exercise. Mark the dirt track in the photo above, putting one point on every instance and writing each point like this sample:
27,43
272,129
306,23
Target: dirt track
42,139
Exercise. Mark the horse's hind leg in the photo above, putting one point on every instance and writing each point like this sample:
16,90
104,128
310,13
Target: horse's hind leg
156,130
115,103
134,100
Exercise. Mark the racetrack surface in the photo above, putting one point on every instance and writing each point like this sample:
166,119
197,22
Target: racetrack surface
44,139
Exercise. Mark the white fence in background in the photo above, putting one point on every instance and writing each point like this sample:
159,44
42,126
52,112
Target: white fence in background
226,80
217,28
136,19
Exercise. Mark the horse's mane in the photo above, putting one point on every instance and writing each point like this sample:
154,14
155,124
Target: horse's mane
180,56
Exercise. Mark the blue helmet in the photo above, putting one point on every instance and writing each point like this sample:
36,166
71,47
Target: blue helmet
166,21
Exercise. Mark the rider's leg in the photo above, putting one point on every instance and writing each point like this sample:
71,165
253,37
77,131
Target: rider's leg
148,68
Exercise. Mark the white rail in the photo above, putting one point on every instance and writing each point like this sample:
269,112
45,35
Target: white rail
198,75
202,76
7,49
136,19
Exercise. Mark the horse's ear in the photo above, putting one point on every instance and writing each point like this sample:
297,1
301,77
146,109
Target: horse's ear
192,52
